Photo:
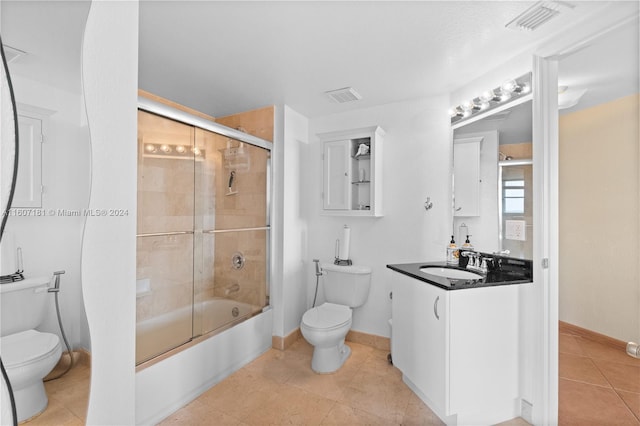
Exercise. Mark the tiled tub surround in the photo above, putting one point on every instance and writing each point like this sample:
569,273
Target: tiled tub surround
202,201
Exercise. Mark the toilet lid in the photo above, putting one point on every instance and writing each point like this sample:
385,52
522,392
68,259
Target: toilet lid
327,316
26,347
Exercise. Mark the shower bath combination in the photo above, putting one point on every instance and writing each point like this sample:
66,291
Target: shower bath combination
203,229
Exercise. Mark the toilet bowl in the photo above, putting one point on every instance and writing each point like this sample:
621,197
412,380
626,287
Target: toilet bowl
325,327
28,357
27,354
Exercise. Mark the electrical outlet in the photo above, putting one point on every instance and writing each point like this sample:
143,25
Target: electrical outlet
515,230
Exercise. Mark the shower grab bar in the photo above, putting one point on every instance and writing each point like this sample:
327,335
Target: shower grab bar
220,231
164,234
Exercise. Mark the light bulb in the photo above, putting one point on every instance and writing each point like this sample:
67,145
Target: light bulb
487,96
150,147
467,106
453,112
196,150
484,105
509,86
165,148
180,149
505,96
526,88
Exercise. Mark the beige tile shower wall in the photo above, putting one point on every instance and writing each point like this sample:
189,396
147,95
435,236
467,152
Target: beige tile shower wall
250,279
165,184
165,204
257,122
245,207
219,208
168,265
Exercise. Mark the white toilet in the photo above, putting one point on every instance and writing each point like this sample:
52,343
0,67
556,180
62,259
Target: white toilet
27,354
325,326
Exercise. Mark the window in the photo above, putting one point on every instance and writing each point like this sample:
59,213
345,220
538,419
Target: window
513,196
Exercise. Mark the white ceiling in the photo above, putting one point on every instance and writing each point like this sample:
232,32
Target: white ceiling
607,68
225,57
50,32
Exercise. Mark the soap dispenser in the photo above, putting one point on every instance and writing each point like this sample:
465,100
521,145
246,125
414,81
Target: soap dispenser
464,256
452,252
467,244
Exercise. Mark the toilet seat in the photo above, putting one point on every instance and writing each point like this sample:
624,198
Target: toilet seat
28,347
328,316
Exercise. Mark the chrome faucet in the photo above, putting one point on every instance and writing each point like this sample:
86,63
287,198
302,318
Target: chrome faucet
483,267
474,259
477,261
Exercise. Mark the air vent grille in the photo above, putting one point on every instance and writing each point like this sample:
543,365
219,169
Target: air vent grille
346,94
541,12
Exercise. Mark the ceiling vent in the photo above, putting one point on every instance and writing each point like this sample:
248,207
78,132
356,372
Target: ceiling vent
538,14
346,94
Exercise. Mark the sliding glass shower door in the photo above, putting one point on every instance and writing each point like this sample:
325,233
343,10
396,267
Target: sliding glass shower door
165,235
232,224
203,233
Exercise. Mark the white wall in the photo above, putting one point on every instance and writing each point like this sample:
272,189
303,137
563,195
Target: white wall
416,165
295,233
52,242
602,299
110,77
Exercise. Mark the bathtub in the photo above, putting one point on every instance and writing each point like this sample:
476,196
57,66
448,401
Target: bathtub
170,383
162,333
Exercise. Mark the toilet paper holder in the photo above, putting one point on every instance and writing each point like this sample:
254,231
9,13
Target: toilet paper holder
338,261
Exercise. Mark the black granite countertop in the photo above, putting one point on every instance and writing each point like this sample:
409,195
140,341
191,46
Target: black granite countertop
509,271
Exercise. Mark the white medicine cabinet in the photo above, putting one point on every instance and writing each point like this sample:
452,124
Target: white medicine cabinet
29,187
352,172
466,176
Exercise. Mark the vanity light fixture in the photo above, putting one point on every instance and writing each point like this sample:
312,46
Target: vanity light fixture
163,150
508,91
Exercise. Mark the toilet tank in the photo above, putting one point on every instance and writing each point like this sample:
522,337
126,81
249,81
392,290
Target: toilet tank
23,304
346,285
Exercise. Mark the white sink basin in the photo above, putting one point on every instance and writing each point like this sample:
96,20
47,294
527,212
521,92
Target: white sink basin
453,274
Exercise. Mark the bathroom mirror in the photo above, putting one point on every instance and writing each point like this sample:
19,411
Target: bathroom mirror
492,181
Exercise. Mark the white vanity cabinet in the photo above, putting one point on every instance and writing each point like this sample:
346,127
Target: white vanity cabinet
352,172
466,176
458,349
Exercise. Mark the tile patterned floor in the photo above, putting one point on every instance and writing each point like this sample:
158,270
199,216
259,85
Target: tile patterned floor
599,385
68,398
280,388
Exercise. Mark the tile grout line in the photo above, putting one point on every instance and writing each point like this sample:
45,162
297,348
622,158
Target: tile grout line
611,384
